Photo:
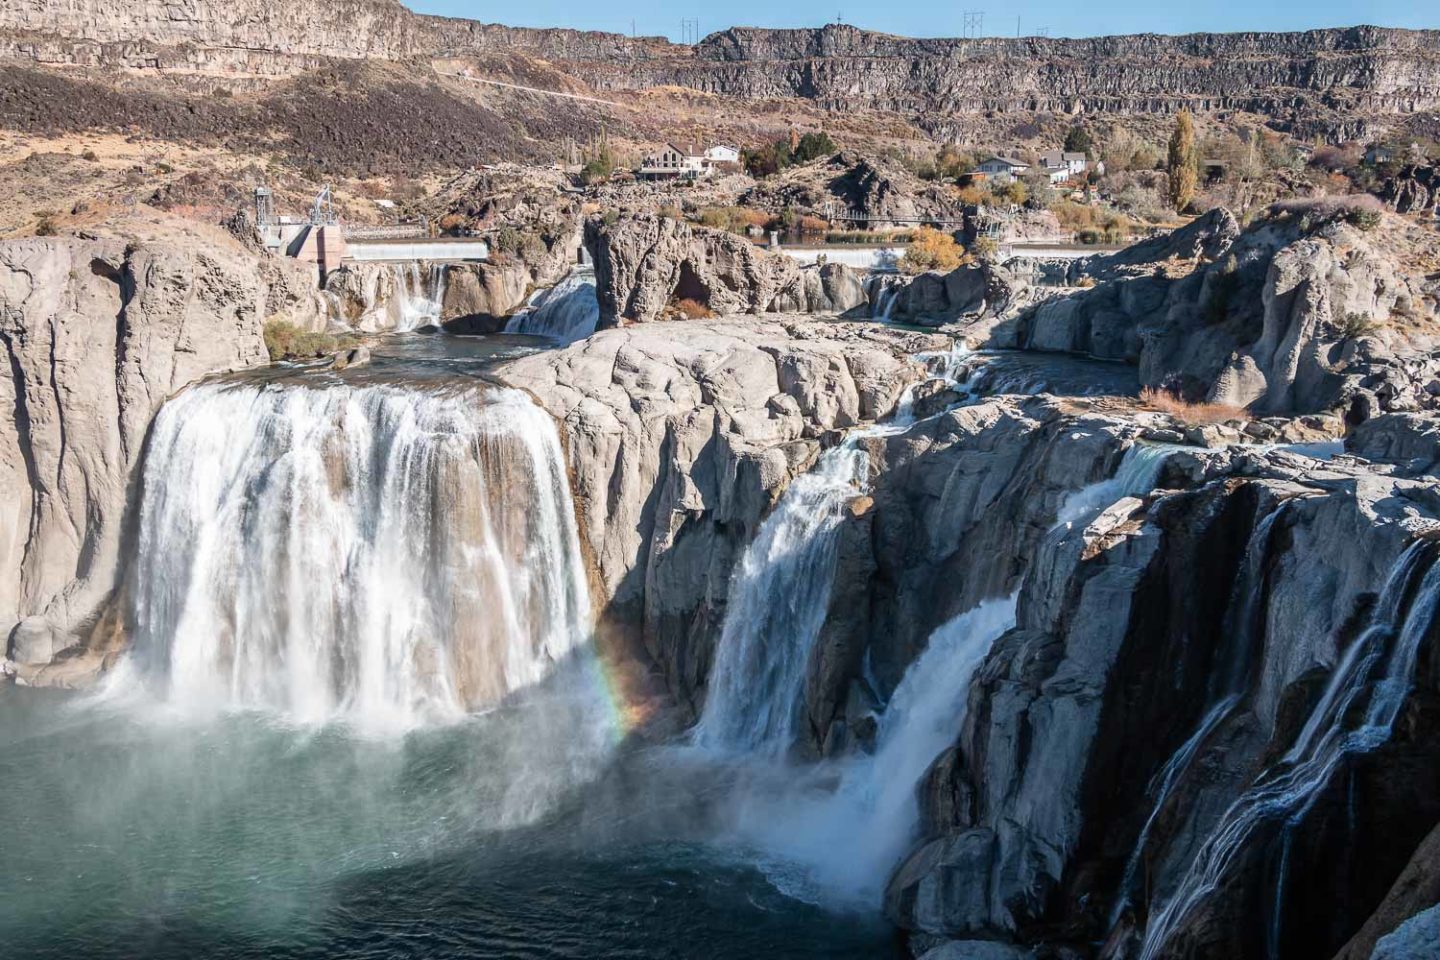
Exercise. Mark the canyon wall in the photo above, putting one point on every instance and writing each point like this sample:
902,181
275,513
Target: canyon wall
838,66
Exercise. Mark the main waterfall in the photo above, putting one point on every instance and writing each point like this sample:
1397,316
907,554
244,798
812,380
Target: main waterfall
327,549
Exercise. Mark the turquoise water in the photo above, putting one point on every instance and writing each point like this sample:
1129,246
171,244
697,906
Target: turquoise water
133,832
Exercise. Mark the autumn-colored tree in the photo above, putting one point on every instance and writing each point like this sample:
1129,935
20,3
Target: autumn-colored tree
931,249
1182,164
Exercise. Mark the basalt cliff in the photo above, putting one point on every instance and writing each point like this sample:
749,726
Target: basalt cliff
1284,75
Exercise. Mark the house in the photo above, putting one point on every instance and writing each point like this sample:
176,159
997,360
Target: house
1378,153
678,160
722,154
1001,168
1063,165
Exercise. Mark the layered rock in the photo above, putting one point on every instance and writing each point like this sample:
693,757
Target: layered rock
975,291
681,439
646,264
98,334
1307,310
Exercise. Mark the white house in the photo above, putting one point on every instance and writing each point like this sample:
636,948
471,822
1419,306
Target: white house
677,160
1062,165
721,153
1002,168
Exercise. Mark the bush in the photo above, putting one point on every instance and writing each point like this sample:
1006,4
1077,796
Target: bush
931,249
286,341
90,155
1355,325
598,166
813,146
45,227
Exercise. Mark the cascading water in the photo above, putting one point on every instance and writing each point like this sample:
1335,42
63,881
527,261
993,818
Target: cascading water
781,592
418,300
392,556
777,605
1375,673
566,312
1137,474
848,838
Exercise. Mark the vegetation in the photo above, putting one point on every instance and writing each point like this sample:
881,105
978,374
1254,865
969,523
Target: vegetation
931,249
521,244
1355,325
45,227
692,309
734,219
285,341
1078,141
773,157
598,166
1192,414
1182,164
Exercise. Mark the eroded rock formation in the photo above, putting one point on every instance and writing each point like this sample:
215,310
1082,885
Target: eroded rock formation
98,334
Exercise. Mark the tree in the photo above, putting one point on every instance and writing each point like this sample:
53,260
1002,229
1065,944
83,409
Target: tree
1078,141
1181,162
812,146
931,249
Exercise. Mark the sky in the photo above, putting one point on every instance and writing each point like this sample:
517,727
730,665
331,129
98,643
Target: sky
929,18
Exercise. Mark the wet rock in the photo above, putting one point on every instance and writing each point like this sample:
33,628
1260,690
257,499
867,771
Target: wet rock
33,641
1416,939
977,950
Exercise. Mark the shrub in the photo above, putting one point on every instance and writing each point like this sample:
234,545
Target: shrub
1165,401
90,155
598,166
1355,325
813,146
284,341
931,249
983,248
45,227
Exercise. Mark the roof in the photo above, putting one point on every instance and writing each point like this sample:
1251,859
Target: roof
1056,158
1007,160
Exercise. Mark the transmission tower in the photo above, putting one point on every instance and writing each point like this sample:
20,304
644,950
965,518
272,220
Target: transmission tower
690,30
974,23
1042,31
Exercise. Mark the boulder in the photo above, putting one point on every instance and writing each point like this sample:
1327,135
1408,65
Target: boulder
1416,939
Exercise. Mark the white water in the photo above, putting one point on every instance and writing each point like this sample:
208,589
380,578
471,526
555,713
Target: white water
418,300
780,593
846,840
778,600
387,556
1137,475
1376,671
566,312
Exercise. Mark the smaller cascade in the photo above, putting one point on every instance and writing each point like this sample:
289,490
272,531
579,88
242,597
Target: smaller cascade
884,293
847,839
419,299
778,601
1355,715
1137,475
566,312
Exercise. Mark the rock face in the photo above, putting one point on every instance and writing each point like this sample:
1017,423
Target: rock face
679,444
848,184
1415,189
1304,311
971,292
97,335
645,264
837,66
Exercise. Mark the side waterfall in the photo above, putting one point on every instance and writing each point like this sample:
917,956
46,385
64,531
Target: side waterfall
1369,686
566,312
847,838
418,300
387,555
1137,474
780,593
1243,623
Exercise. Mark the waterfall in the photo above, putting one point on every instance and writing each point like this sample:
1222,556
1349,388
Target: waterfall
391,556
1375,673
848,837
886,294
1137,475
777,605
1243,620
418,301
566,312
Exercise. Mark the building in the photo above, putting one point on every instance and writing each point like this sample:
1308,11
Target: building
1001,168
721,153
676,161
1063,165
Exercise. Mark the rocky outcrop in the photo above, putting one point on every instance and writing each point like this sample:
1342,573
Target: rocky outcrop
850,185
1415,189
646,264
680,442
975,291
1042,813
98,333
1313,308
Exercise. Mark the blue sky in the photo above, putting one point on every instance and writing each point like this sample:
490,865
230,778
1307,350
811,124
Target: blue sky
928,18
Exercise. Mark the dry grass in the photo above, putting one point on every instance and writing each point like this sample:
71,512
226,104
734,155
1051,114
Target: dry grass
1163,401
692,309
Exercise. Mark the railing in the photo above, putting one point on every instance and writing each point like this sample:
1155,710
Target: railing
399,231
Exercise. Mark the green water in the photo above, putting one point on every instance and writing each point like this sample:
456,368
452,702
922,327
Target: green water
132,832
